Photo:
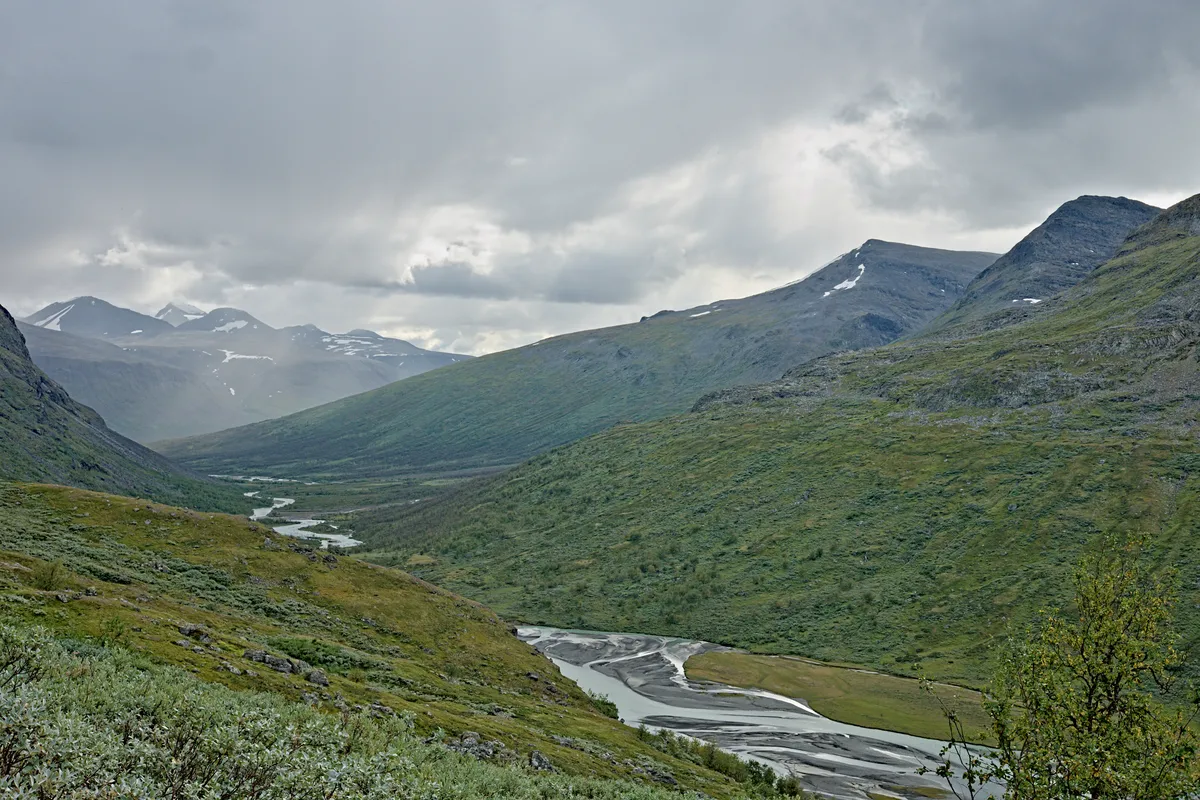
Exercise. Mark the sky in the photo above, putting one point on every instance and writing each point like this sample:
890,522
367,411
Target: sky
475,175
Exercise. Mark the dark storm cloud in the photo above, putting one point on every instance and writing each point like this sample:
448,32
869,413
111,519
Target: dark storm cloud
534,155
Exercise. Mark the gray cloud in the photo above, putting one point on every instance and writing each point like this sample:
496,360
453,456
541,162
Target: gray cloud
483,173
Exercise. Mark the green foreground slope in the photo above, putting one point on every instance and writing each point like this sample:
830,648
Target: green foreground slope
46,436
216,599
503,408
895,507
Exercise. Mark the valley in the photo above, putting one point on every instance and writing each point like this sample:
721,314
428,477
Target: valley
223,600
904,508
792,555
153,380
683,400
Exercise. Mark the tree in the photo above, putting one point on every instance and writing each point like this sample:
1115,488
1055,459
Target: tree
1089,706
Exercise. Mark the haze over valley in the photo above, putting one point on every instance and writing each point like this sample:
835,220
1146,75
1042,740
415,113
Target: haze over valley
608,400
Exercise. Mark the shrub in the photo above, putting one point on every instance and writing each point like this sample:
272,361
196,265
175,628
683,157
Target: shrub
48,576
605,706
109,725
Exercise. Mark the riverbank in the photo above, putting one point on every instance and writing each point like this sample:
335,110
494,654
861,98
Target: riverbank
856,696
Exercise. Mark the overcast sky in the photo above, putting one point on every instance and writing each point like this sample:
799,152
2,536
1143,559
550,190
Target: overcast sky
476,175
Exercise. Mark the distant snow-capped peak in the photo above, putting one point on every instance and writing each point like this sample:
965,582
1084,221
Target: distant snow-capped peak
177,313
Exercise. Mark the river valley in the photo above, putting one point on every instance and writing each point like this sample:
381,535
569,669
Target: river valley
644,676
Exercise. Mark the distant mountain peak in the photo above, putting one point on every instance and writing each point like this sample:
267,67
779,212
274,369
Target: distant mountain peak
91,316
225,320
1077,237
177,312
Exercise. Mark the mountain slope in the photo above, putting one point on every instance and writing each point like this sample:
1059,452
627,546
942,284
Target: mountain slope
91,316
217,370
1078,237
47,436
504,407
210,599
895,507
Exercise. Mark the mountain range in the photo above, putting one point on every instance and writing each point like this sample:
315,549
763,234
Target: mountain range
185,371
499,409
904,507
889,464
48,437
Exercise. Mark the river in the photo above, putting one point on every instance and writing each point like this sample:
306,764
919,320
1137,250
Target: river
296,527
644,677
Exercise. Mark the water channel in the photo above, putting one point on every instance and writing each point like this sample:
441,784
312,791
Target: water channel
644,676
297,528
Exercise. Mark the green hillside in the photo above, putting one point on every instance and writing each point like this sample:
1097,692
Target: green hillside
503,408
893,507
203,642
47,436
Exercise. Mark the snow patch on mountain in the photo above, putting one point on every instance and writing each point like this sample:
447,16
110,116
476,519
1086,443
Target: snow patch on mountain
54,321
849,283
232,356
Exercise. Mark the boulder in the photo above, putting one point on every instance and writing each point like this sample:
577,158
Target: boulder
539,762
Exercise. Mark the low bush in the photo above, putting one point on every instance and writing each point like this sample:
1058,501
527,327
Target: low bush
93,722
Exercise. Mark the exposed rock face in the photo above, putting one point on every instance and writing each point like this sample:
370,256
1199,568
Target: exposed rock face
318,677
1179,221
1080,236
472,744
278,663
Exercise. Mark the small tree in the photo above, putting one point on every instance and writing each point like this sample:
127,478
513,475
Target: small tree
1078,710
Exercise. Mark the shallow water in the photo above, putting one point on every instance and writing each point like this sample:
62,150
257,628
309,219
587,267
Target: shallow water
295,528
644,677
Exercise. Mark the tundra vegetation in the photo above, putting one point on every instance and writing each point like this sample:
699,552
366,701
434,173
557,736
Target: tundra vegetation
150,651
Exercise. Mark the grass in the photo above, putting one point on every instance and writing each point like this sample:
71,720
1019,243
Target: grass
133,572
854,696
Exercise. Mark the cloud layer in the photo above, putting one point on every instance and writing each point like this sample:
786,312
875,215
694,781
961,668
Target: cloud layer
480,174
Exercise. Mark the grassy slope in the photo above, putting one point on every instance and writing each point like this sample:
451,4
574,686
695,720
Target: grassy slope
895,507
97,715
502,408
47,436
383,636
